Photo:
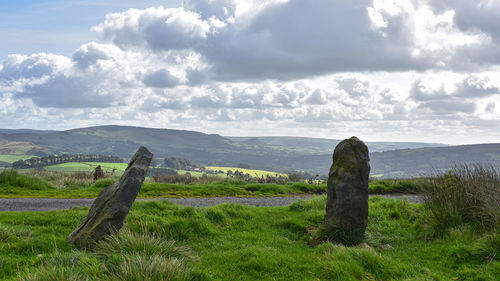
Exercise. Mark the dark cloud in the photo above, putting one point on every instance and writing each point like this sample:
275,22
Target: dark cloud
448,107
473,86
62,91
160,79
285,40
473,16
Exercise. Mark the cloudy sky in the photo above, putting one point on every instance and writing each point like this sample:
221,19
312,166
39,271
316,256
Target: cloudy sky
415,70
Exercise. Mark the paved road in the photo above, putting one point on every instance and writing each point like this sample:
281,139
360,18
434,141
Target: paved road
41,204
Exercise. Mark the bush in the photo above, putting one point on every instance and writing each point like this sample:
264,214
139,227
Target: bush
295,177
465,195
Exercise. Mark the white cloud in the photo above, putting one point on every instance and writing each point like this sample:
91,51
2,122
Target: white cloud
158,28
273,67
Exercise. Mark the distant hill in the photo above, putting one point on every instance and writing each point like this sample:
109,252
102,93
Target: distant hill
319,145
405,163
25,131
267,153
22,148
429,160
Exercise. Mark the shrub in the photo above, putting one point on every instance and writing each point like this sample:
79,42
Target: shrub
465,195
295,177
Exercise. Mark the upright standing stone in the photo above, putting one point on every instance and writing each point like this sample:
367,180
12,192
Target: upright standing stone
113,203
347,200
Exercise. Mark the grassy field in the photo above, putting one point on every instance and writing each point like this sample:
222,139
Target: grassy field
108,167
47,184
251,172
86,166
235,242
11,158
44,184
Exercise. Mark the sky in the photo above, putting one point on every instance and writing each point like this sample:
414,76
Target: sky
382,70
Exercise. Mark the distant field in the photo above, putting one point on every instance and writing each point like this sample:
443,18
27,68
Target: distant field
11,158
86,166
120,167
251,172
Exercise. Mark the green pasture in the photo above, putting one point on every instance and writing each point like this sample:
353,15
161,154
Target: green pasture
86,167
50,184
164,241
251,172
11,158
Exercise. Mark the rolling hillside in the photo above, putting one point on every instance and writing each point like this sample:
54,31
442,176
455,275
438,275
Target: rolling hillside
320,146
267,153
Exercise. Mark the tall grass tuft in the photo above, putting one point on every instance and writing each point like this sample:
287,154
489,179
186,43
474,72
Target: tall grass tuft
54,273
129,243
13,178
145,256
465,195
151,268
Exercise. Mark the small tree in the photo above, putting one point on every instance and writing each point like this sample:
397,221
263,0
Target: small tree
295,177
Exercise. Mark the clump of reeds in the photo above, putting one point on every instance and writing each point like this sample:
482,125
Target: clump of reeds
467,194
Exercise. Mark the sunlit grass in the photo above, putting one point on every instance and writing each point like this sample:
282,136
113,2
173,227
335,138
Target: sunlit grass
235,242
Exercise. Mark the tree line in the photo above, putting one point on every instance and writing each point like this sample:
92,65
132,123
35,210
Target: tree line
37,162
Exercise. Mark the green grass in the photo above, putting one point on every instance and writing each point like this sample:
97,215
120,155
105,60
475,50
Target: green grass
158,190
415,185
251,172
86,166
49,184
465,195
11,180
11,158
235,242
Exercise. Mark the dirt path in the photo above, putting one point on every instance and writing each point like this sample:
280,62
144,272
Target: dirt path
42,204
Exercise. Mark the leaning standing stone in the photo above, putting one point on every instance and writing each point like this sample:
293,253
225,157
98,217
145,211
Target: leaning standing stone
347,200
113,203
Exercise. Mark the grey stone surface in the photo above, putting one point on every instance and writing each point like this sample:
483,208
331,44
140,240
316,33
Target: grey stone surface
113,203
347,193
